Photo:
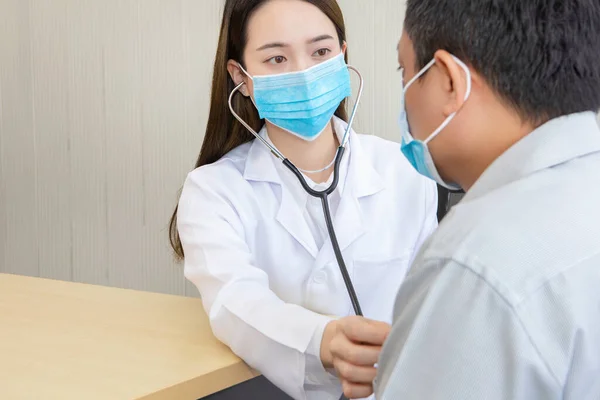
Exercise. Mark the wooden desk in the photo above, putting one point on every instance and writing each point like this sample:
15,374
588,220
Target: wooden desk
61,340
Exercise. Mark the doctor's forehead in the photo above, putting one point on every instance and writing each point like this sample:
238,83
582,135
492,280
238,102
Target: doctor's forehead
288,22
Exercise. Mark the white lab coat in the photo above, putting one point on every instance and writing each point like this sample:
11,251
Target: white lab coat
268,290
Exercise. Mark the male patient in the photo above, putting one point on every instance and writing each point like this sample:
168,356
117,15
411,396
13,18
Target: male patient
503,301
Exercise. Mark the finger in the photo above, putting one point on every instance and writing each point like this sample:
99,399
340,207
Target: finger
356,391
366,331
355,373
358,354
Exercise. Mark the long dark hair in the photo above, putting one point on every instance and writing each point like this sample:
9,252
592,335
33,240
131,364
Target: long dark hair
223,132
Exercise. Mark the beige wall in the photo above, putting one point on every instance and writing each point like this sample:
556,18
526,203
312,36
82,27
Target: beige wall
102,110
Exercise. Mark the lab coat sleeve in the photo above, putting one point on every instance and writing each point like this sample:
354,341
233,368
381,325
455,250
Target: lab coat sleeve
269,334
455,337
316,374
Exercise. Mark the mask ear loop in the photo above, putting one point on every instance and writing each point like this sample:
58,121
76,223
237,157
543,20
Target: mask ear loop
272,148
451,116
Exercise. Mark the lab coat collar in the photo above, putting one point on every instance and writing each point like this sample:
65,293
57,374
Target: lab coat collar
556,142
259,163
366,180
294,200
361,180
297,191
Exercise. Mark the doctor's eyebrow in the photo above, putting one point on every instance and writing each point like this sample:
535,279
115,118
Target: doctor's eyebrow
319,39
275,45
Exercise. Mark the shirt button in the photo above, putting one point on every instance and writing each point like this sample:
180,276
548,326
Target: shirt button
320,277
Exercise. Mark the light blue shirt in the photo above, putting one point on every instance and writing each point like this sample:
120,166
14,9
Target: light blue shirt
503,301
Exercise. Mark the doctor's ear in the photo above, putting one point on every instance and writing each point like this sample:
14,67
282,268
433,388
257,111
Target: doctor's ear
344,47
454,79
238,76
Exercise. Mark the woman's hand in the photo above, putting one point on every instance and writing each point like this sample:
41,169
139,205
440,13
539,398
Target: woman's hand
352,346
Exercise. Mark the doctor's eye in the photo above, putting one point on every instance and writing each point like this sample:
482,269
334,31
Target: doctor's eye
276,60
321,52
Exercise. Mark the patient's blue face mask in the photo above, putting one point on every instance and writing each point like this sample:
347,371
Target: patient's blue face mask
416,151
303,102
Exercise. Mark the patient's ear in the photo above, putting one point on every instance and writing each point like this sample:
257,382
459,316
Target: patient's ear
455,81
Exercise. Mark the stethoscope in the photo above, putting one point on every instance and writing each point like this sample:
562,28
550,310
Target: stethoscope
320,194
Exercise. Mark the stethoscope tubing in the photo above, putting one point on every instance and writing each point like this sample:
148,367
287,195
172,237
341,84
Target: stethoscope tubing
324,197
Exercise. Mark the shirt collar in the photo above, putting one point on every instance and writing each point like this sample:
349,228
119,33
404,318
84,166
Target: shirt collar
556,142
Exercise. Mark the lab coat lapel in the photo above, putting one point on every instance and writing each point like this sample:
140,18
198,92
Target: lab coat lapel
348,224
291,217
260,167
361,182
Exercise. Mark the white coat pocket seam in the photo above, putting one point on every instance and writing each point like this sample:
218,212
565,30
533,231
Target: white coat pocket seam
374,260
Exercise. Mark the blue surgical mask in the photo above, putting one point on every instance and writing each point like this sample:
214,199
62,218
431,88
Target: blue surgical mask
303,102
416,151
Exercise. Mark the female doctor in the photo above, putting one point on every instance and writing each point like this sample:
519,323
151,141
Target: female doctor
255,242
